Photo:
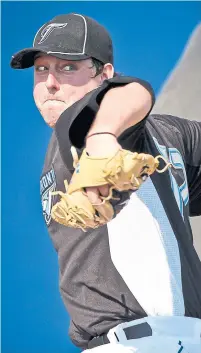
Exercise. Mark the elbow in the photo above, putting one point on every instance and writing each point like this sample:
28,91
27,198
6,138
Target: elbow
141,98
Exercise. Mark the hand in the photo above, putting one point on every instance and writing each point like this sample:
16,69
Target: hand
100,145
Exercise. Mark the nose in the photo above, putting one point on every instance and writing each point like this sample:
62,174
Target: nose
52,82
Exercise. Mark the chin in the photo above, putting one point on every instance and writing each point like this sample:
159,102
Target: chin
51,123
51,117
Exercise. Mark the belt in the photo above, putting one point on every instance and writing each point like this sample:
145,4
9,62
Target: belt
98,341
131,332
176,326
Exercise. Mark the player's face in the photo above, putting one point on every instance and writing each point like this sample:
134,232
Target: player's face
60,83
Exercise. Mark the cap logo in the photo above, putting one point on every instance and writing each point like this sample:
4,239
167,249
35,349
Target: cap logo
45,33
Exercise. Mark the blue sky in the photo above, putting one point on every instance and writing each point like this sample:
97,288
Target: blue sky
148,40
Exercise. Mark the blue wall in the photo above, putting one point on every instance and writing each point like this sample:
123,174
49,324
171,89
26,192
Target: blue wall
148,39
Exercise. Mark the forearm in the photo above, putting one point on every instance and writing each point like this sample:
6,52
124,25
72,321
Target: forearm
121,108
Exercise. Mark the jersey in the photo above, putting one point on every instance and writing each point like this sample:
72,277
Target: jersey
143,261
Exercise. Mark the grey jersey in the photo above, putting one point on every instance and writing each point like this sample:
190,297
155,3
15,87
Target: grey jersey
143,262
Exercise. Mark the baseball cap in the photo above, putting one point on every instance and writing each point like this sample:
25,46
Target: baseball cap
71,37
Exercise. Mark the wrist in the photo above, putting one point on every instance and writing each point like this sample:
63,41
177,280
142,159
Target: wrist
102,144
99,133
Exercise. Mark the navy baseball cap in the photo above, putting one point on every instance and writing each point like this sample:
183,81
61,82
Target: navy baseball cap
70,37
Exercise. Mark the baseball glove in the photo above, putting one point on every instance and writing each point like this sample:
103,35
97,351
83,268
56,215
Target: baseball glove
124,172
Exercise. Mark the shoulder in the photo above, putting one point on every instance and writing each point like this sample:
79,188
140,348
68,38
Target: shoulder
170,126
178,124
166,130
167,121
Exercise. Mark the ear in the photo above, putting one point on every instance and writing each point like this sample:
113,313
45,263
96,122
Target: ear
108,72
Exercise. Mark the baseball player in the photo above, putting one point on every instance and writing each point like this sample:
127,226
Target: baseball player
133,282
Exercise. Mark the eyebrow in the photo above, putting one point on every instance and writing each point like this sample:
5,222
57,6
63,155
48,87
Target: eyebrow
62,62
39,55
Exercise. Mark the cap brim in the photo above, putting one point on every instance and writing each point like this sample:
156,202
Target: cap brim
25,58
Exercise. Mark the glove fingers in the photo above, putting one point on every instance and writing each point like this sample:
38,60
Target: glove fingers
128,174
74,211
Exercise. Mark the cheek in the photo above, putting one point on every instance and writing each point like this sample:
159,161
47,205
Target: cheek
82,80
77,88
38,93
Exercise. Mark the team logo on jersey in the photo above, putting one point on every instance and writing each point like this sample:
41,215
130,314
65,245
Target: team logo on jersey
179,182
45,33
47,185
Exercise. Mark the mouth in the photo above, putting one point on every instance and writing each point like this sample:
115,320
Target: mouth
53,100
